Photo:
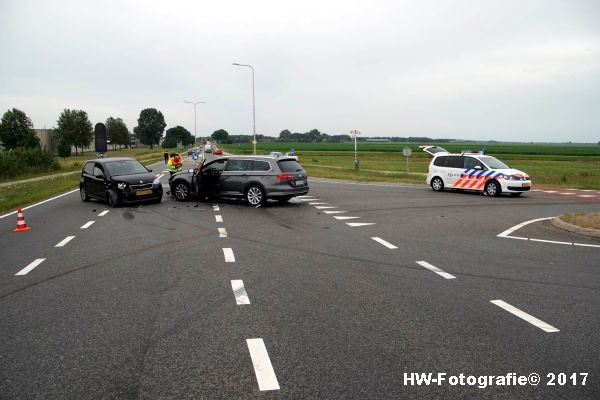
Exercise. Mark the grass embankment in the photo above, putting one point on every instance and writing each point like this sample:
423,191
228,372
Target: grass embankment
584,220
23,194
548,165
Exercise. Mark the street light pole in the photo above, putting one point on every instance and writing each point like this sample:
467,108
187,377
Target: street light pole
253,105
194,103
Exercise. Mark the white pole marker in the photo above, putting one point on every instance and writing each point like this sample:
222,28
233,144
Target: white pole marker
239,291
228,253
265,375
436,270
31,266
383,242
65,241
523,315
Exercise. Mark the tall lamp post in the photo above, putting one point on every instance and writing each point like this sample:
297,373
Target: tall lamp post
253,105
194,103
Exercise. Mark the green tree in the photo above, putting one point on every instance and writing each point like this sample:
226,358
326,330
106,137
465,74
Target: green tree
151,125
16,130
285,135
64,149
117,132
220,136
176,135
75,128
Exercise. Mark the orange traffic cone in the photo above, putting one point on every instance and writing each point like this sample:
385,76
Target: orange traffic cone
21,225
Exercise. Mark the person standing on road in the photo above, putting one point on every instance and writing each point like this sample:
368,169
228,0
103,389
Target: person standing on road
166,157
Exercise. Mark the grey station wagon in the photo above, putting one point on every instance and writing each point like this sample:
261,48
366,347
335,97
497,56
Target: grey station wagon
254,178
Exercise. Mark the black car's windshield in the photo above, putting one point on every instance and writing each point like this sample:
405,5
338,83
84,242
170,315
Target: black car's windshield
493,163
125,167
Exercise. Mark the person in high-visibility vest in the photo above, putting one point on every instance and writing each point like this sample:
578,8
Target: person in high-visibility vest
175,163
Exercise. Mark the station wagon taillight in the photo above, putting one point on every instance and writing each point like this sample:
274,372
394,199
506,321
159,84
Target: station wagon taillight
285,177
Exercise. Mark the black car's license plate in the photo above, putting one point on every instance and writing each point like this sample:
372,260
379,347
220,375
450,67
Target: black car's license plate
143,192
300,183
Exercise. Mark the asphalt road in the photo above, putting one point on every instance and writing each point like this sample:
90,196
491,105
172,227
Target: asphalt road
140,304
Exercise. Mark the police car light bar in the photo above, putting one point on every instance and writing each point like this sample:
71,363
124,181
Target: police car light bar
472,152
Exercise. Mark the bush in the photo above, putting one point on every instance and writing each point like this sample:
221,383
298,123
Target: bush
64,149
20,161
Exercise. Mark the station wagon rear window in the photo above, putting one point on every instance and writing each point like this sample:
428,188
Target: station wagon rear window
289,166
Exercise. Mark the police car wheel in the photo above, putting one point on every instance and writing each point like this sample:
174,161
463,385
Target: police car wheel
437,184
492,188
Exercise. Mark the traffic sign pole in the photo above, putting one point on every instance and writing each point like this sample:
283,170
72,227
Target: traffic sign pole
354,134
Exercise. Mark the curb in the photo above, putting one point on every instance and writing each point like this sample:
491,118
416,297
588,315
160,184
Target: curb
557,222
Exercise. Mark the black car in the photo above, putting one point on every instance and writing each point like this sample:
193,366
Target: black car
119,180
254,178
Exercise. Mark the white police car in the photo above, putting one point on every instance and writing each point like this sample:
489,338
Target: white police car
472,170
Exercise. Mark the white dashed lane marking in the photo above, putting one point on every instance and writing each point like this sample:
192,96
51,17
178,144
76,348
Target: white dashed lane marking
435,269
342,217
265,375
239,291
65,241
357,224
31,266
103,213
324,207
383,242
523,315
87,224
218,218
222,233
318,204
228,253
335,212
216,207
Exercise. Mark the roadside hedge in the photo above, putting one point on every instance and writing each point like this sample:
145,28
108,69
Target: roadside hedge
20,161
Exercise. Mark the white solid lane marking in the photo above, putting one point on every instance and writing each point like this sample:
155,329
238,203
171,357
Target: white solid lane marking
103,213
87,225
435,269
31,266
334,212
40,203
218,218
355,224
549,191
517,227
228,253
65,241
586,245
239,291
216,207
549,241
342,217
568,193
324,207
318,204
523,315
222,232
265,375
586,195
383,242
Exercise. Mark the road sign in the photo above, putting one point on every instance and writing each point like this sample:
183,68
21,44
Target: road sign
354,133
407,151
100,138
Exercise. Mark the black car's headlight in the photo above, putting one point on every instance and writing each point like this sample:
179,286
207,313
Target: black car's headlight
156,181
121,185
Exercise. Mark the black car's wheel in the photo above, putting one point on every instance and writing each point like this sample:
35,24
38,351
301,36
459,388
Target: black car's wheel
181,191
113,198
255,195
492,188
437,184
83,194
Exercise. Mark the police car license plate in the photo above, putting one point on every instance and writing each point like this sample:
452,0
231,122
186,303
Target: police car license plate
143,192
526,184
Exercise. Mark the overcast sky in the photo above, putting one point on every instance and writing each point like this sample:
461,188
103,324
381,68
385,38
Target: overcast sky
489,70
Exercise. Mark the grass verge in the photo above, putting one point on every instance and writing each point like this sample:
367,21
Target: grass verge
21,195
589,220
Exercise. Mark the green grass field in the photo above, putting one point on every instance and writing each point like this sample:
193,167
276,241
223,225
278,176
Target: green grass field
573,166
